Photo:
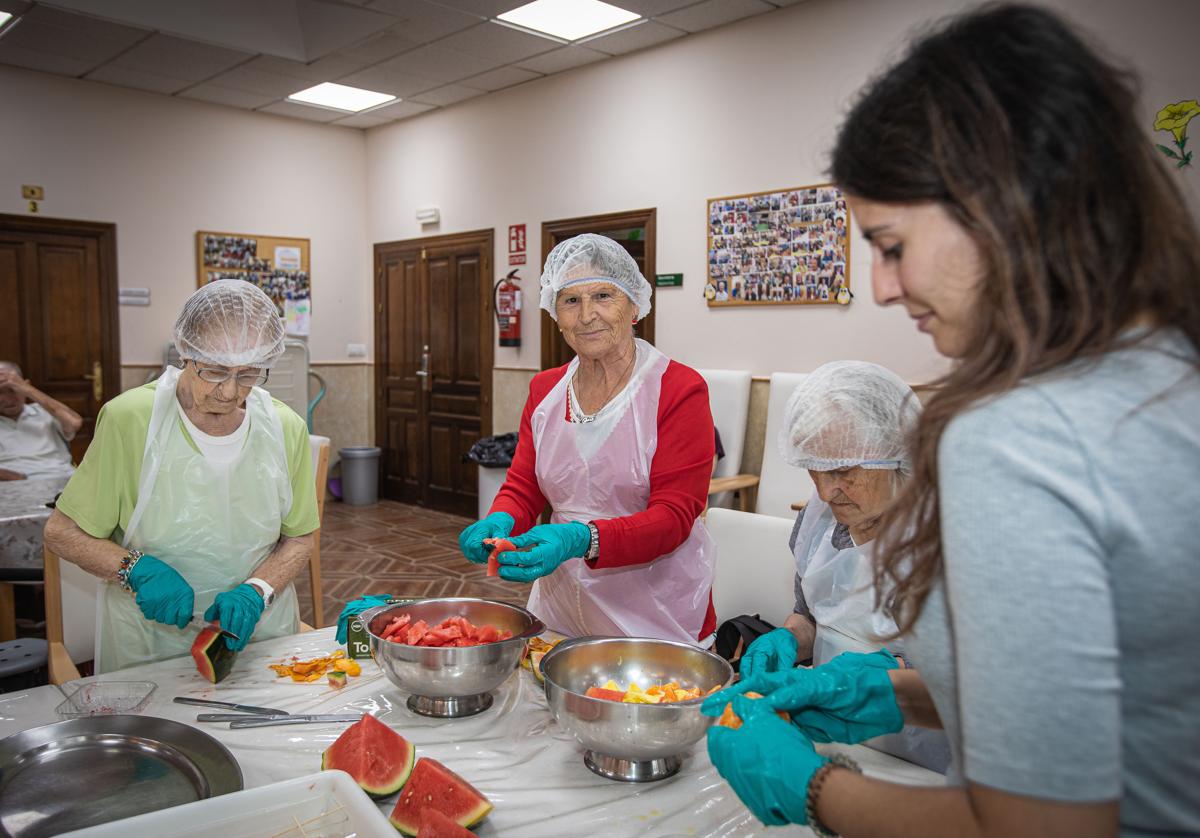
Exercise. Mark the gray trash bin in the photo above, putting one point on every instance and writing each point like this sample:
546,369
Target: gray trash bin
360,474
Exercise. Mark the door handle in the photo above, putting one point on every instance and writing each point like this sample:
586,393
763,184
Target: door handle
97,379
423,372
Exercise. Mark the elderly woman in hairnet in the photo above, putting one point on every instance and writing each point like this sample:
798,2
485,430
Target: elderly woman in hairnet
847,424
619,442
196,495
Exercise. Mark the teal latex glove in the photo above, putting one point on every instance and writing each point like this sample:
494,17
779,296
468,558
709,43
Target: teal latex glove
768,762
552,545
850,699
237,611
771,652
161,592
470,540
355,607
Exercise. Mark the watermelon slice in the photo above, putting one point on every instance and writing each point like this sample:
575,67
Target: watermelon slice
379,759
436,825
434,786
214,660
498,545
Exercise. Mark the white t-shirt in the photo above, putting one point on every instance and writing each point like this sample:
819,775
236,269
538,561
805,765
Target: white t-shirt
33,444
218,449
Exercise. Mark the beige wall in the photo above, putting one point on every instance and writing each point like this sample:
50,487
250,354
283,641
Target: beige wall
162,168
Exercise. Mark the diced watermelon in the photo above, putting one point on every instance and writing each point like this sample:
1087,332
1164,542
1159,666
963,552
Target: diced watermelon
607,695
487,634
415,632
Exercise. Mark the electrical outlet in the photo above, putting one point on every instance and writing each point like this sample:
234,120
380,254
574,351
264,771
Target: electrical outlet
356,350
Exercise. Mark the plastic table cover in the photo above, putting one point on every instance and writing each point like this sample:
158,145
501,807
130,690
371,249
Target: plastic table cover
530,768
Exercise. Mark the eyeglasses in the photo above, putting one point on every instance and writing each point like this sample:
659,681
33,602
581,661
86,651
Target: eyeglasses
244,379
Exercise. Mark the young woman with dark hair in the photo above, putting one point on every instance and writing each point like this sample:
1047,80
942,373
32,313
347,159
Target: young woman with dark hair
1042,560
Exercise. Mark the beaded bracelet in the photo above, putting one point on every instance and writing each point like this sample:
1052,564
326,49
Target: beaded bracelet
814,791
127,563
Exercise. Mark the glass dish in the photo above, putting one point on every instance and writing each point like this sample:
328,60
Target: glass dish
107,698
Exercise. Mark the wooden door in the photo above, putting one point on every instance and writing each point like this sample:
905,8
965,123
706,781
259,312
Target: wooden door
634,231
433,364
59,279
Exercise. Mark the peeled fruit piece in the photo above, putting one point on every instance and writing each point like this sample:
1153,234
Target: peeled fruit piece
434,786
498,545
607,695
214,660
379,759
535,663
436,825
337,679
732,720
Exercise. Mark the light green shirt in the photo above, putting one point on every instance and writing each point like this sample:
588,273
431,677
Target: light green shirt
103,492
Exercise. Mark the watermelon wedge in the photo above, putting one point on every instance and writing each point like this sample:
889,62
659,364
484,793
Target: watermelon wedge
498,545
379,759
436,825
214,660
434,786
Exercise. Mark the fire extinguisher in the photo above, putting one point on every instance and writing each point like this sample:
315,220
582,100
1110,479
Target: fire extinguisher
508,309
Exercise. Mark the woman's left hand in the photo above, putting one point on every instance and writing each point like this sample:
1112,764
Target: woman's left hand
237,611
552,545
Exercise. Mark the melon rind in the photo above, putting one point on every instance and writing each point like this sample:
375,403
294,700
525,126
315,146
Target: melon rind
406,816
214,659
353,738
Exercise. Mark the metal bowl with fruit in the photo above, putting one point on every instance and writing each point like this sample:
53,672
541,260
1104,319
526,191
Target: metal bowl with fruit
634,742
450,681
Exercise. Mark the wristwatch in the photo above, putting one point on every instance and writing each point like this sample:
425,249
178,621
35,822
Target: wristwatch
593,552
268,593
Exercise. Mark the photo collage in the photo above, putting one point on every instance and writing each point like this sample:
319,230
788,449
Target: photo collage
790,247
278,272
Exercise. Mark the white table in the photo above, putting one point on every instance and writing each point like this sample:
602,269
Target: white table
530,768
23,709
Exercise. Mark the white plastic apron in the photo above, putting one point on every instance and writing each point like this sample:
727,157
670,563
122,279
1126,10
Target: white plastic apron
212,522
838,588
666,598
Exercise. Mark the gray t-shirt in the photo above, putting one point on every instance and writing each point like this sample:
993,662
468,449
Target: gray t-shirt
1061,644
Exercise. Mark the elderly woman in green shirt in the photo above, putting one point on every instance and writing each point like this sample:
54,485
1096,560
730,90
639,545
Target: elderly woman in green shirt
196,496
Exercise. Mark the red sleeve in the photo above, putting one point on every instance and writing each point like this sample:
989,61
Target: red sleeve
520,496
679,476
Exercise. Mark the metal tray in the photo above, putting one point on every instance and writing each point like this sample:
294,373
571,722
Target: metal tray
83,772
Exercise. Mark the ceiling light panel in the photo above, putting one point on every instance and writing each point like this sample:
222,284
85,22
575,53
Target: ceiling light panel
568,19
5,17
341,97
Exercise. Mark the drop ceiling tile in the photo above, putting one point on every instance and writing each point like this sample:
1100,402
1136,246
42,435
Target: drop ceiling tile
302,112
360,121
221,95
384,79
398,110
92,26
558,60
650,8
72,36
447,95
16,8
324,69
485,8
424,22
435,62
138,79
165,55
501,78
44,61
261,81
712,13
379,47
642,35
502,43
785,2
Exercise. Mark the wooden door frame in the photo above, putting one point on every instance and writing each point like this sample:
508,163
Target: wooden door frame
645,218
105,235
485,237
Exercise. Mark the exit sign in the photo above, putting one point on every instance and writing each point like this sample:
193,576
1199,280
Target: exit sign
668,280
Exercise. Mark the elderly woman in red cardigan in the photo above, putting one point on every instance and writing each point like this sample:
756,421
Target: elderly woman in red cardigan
619,443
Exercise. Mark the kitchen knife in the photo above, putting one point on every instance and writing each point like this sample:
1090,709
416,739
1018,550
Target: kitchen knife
267,721
241,708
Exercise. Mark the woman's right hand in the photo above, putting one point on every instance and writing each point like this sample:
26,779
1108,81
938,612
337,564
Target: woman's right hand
161,592
470,540
771,652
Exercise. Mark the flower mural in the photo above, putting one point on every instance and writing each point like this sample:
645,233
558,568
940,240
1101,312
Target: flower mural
1175,118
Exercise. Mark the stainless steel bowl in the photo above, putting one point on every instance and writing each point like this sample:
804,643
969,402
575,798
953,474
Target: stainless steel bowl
454,682
631,742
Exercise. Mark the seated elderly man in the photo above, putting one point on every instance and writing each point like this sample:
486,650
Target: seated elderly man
34,429
847,425
196,495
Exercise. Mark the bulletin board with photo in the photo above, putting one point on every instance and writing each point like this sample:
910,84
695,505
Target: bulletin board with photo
783,247
276,264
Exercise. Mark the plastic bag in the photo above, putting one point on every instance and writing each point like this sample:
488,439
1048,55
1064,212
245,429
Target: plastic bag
494,451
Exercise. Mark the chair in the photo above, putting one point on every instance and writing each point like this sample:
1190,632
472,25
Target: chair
755,569
780,485
320,461
729,398
61,663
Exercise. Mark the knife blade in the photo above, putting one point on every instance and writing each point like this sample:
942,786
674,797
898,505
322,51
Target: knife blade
196,618
241,708
267,721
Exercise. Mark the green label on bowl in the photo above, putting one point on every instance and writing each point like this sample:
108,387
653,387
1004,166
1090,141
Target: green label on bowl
358,642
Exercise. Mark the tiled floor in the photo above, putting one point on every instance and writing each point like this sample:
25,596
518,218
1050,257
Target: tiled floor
393,548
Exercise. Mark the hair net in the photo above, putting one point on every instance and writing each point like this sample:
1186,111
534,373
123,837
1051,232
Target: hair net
229,323
849,413
593,258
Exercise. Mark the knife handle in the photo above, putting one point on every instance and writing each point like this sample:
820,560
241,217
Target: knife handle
242,722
